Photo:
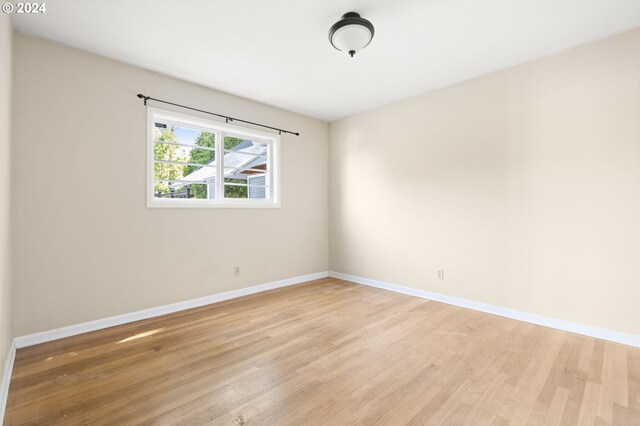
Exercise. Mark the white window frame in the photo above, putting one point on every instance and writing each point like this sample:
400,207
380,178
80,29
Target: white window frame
198,123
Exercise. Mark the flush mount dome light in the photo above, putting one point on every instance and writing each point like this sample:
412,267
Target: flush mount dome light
351,33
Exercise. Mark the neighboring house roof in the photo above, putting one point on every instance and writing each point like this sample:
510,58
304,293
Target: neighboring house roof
235,162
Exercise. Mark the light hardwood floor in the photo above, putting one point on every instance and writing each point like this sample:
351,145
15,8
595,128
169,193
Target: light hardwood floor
327,352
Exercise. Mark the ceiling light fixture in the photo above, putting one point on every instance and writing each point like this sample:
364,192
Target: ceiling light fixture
351,33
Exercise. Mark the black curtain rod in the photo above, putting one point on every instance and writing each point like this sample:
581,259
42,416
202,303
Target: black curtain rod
226,117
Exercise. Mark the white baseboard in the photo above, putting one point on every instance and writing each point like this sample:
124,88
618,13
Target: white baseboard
73,330
586,330
6,379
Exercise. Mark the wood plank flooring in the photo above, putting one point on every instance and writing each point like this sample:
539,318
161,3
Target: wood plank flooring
328,352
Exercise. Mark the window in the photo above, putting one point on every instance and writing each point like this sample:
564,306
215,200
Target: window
195,162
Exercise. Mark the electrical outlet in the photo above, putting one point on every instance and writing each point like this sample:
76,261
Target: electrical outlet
441,274
236,270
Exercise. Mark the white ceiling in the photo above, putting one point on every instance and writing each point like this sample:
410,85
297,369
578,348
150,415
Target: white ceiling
277,52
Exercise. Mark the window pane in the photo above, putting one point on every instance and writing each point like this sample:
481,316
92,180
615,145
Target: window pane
240,154
231,191
235,188
246,168
184,191
169,152
258,187
246,146
178,153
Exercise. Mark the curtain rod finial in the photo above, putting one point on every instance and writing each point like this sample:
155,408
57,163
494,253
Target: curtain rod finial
141,96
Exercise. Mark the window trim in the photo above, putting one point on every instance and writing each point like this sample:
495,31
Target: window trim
212,126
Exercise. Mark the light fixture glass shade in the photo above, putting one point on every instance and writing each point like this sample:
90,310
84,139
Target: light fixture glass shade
351,38
351,33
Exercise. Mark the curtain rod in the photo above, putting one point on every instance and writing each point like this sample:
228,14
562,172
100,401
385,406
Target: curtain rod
226,117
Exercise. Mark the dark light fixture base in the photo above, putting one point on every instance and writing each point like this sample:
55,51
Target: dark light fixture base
351,15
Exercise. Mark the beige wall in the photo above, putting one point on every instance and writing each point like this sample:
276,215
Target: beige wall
5,188
524,185
86,245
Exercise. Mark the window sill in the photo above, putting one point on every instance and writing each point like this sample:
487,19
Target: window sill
204,204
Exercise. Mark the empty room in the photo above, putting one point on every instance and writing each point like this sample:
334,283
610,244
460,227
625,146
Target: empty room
339,212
